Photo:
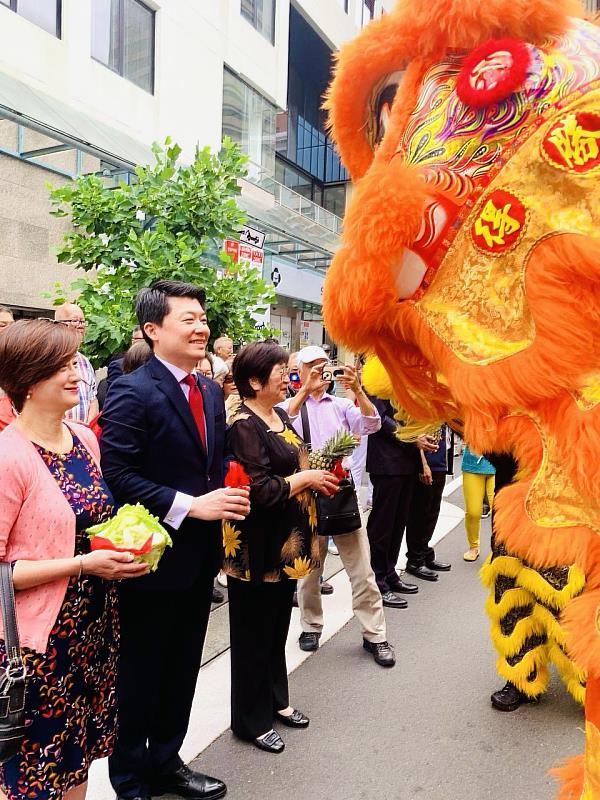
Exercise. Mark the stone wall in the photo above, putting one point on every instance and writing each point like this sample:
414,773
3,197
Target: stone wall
28,234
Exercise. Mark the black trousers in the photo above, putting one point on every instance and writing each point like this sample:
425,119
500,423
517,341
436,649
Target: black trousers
422,519
259,621
392,495
162,636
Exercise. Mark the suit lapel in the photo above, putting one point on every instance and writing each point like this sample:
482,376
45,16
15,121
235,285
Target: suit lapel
169,386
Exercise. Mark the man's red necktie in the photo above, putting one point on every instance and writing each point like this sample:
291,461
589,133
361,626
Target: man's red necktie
196,406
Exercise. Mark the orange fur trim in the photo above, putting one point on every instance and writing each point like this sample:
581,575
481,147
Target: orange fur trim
420,29
570,774
580,624
384,216
562,282
541,547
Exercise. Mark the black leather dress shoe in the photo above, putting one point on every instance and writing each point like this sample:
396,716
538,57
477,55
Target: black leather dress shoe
309,641
272,743
383,653
189,784
422,572
509,698
391,600
438,566
326,588
403,587
294,720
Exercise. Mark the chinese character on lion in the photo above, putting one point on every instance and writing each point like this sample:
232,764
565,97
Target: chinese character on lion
470,269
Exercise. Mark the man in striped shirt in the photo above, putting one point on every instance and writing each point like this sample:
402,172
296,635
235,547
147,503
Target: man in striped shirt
87,407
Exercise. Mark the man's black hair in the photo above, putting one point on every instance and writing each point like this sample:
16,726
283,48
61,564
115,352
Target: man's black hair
152,304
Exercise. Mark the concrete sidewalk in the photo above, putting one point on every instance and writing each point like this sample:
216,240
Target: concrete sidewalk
424,730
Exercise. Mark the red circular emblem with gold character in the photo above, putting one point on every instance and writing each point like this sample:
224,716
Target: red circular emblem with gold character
573,143
500,223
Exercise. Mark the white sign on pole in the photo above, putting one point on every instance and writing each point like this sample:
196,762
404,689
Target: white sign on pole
253,237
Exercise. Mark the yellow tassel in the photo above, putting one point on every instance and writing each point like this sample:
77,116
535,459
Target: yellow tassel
376,380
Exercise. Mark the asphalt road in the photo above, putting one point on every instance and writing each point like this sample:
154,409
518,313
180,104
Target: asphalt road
424,730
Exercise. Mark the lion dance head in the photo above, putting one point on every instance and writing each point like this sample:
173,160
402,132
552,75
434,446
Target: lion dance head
470,260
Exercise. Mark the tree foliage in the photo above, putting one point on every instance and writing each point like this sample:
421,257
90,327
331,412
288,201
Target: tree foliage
169,222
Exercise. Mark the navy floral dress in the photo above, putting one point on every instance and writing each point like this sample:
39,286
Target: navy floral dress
71,700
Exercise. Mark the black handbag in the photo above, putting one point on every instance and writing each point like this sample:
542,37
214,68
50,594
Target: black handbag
13,682
337,514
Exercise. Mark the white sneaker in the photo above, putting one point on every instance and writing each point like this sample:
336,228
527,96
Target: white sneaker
222,579
332,549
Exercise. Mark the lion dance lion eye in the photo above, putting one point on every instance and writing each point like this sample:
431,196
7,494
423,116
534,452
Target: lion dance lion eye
382,101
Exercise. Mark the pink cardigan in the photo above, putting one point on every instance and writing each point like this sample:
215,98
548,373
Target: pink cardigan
36,522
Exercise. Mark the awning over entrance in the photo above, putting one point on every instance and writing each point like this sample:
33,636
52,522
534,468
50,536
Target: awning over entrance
74,129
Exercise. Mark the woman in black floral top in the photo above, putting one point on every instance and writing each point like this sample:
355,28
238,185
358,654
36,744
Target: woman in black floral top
273,547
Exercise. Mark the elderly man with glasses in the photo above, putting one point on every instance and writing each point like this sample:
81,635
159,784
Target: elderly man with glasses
87,405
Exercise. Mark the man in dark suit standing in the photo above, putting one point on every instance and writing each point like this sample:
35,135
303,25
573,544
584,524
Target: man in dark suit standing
393,467
163,446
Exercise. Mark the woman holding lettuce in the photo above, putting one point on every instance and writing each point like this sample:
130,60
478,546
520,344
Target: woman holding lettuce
266,553
51,491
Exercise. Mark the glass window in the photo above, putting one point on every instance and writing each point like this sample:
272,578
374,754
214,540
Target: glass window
334,199
45,14
123,39
249,119
261,15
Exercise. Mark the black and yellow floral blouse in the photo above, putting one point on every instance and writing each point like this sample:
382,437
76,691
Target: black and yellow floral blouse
278,539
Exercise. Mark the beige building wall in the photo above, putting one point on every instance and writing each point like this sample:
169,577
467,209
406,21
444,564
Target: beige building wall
28,266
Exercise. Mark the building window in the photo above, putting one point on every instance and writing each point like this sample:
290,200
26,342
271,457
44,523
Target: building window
45,14
249,119
261,15
365,12
123,39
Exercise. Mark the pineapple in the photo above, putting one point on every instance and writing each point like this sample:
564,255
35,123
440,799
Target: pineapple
335,449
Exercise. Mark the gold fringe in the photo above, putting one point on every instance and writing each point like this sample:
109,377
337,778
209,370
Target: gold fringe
534,582
508,646
512,598
535,659
508,566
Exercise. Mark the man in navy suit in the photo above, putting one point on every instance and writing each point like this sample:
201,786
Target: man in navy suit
163,438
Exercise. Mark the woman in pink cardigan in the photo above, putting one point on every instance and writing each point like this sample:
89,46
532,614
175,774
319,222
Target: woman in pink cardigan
51,490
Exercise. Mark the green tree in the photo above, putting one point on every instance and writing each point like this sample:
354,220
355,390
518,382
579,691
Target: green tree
169,222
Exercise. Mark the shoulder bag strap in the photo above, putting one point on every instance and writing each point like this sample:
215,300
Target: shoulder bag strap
305,425
9,617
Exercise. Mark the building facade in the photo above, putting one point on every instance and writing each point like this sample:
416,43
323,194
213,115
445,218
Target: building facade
88,85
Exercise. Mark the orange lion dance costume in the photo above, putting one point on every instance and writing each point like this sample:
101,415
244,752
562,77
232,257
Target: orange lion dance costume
470,262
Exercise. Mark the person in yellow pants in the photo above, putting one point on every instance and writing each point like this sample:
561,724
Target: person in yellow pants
478,482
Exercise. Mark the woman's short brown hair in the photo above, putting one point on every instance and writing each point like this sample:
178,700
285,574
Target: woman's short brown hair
32,350
256,360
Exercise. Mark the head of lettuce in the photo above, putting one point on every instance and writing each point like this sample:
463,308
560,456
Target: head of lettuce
135,530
